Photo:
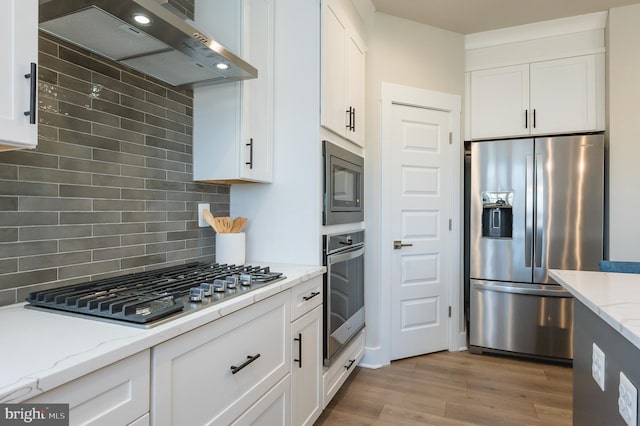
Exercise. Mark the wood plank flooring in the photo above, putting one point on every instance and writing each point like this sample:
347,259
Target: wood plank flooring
454,388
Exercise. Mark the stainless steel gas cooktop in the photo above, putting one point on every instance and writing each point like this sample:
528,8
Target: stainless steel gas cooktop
149,298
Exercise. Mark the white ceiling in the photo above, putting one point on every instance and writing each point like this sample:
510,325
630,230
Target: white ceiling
471,16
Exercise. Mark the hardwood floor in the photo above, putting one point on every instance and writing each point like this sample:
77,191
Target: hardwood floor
455,388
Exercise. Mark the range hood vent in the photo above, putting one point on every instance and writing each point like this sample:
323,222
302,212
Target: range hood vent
168,48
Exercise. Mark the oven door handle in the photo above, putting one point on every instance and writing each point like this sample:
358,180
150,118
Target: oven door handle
344,256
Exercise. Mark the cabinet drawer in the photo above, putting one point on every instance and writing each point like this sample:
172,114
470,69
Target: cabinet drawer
193,378
340,369
114,395
272,409
305,297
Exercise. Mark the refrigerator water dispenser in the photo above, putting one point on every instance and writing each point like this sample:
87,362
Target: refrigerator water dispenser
497,214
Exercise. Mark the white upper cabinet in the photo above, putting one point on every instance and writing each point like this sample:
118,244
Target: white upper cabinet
500,102
343,75
564,95
547,97
18,86
233,123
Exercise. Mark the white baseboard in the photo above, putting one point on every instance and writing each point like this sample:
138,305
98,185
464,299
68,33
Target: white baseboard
373,358
462,341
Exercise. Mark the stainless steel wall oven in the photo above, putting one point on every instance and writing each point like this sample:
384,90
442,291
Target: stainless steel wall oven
343,185
343,291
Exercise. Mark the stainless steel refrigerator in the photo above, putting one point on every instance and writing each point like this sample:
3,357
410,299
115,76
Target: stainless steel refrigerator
535,204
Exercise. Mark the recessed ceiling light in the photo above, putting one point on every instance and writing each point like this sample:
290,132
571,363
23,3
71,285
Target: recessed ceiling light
222,66
141,19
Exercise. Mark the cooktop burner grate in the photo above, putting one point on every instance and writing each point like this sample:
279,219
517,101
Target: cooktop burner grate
146,297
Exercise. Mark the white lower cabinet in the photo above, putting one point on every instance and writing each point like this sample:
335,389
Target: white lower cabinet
272,409
142,421
340,369
306,368
215,373
114,395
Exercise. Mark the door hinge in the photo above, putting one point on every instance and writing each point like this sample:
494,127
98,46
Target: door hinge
450,224
449,311
450,138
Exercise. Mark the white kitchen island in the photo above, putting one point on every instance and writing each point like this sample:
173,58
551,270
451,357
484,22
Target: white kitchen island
606,320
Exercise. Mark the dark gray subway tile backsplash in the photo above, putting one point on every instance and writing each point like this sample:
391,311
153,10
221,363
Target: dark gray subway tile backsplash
108,190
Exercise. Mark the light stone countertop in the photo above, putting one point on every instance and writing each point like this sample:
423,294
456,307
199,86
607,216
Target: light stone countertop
614,297
41,350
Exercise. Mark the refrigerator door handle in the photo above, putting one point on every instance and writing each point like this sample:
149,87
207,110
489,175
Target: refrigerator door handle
543,290
528,218
539,209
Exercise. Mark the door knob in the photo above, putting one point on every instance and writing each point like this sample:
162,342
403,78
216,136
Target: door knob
397,245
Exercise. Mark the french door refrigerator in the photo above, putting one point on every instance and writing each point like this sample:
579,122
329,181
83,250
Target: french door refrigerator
535,204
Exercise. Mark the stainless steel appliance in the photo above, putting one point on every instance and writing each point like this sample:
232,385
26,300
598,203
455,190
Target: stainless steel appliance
343,185
146,35
535,204
154,297
343,290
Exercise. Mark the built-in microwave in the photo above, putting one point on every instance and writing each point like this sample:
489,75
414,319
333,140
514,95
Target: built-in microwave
343,185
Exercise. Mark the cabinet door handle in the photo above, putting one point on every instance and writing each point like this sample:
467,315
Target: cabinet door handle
311,296
348,126
250,162
526,118
33,86
534,118
353,123
299,340
348,366
249,360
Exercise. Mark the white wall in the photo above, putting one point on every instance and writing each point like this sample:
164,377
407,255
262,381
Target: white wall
410,54
624,132
285,216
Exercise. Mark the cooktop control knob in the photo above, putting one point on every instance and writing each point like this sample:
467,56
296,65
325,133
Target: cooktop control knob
245,279
208,289
232,281
196,294
219,286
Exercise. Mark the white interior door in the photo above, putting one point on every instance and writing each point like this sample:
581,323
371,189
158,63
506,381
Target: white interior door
420,213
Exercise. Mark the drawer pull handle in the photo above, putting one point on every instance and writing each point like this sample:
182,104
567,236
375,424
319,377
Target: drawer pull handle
299,340
311,296
249,360
348,366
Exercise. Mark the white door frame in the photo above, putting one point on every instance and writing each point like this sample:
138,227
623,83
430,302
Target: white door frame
397,94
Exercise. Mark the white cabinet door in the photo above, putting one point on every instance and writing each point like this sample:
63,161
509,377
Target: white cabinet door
233,123
114,395
334,51
18,94
306,354
257,130
355,88
563,95
343,75
500,102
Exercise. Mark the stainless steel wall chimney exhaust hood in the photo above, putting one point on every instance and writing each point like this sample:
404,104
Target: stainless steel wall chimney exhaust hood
146,36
